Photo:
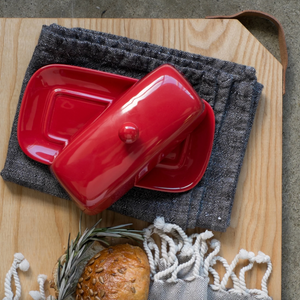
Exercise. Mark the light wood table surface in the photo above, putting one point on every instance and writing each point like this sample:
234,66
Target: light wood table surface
38,225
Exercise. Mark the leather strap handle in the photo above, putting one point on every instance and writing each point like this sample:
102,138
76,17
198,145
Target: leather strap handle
281,37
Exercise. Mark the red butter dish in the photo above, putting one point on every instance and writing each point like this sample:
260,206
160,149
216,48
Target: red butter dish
103,133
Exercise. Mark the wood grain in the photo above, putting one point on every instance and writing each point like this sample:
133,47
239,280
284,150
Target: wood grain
38,225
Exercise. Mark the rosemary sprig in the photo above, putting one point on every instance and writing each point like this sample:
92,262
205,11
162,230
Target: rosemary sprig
77,249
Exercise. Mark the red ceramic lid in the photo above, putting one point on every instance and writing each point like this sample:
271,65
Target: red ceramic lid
103,133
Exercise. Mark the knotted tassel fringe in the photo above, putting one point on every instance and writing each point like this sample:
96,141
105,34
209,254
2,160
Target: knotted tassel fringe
19,263
179,252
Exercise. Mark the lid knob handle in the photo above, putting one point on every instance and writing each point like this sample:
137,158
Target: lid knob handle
129,133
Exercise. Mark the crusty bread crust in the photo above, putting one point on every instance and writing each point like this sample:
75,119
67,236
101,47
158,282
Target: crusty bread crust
117,272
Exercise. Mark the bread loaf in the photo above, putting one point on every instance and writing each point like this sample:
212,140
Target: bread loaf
117,272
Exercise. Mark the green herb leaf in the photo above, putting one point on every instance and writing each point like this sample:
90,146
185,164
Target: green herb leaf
75,253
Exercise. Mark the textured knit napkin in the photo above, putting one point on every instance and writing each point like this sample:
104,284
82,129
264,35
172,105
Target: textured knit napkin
231,89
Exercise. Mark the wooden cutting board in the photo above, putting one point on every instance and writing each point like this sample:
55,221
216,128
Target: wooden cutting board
38,225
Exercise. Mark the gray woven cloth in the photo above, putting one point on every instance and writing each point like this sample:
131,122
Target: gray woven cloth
224,295
231,89
198,289
191,290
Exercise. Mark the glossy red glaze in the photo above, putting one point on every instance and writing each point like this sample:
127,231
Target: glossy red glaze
184,167
129,133
59,101
63,104
97,168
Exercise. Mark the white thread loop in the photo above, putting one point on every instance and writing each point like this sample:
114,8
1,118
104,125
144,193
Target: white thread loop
187,257
228,273
180,238
239,284
200,248
216,245
36,295
23,264
217,285
41,294
251,257
262,258
177,252
268,272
